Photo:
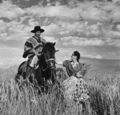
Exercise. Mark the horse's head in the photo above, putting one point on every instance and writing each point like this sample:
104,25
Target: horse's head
49,54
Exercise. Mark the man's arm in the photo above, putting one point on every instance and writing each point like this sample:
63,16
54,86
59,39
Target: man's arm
28,49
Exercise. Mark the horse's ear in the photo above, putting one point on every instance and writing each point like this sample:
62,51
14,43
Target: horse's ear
54,43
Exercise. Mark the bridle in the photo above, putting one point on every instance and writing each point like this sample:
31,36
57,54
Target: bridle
52,70
50,60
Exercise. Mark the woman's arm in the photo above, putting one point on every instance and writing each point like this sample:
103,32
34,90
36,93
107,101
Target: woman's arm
63,68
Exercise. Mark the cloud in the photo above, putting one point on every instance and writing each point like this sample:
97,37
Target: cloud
54,11
80,11
78,28
8,10
52,29
93,56
79,41
94,13
113,33
81,29
70,27
32,22
115,43
50,39
15,31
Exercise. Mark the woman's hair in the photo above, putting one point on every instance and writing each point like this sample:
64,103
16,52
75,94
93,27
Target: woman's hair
77,54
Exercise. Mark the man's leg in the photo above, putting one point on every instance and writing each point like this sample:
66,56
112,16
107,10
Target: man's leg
34,62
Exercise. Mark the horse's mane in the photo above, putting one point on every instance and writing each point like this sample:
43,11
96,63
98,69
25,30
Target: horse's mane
49,45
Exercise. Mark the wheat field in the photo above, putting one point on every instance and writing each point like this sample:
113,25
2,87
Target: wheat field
104,92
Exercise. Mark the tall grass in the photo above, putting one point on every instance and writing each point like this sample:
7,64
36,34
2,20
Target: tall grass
104,98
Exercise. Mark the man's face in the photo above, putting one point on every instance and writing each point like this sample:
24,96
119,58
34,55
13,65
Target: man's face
38,33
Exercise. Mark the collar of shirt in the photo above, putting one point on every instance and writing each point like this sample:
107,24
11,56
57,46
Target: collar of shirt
37,38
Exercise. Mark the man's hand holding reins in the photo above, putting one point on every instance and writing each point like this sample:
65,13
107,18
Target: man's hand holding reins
36,52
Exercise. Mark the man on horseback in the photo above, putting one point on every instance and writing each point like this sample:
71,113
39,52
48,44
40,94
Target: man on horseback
39,70
33,47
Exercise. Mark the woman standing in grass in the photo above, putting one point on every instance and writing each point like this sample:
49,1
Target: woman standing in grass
75,86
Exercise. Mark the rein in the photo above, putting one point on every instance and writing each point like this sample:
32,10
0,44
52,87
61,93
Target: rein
45,68
51,59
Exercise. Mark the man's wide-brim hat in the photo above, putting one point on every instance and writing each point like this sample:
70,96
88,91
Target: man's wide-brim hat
37,28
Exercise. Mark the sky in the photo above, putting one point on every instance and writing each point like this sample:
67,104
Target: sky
86,27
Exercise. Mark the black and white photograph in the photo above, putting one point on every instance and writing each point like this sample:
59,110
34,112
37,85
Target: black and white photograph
59,57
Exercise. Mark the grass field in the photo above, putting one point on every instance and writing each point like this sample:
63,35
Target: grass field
104,92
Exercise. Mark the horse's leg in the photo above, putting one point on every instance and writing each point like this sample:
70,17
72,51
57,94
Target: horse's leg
29,74
34,76
21,72
17,78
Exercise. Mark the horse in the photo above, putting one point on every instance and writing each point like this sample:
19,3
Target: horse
45,74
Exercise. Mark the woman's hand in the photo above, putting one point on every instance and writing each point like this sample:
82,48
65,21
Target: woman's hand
78,74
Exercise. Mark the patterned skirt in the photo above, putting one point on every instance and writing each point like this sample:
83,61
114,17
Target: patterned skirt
80,93
76,90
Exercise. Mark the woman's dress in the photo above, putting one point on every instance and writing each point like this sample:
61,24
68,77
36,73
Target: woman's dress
75,88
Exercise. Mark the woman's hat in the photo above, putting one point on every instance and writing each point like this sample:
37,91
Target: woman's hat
37,28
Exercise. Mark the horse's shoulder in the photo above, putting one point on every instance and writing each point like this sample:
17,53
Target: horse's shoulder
23,64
